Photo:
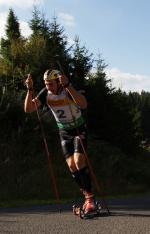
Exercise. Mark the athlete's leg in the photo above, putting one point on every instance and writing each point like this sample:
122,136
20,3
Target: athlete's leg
67,143
74,171
80,145
80,163
74,154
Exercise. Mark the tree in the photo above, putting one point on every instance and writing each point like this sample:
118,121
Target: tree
145,114
12,27
142,103
81,64
54,50
112,117
98,92
12,34
8,61
38,24
59,56
124,121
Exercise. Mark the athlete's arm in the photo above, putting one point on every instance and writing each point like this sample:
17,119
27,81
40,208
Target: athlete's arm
30,104
78,98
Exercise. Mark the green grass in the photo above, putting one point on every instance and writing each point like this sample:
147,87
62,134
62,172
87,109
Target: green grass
29,203
27,181
37,202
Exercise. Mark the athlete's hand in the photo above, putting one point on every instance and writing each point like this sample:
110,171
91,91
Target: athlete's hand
63,80
29,82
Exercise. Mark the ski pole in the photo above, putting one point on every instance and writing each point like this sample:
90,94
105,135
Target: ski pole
85,153
51,170
93,174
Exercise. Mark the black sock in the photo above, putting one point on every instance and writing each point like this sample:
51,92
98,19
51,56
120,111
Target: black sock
76,176
85,179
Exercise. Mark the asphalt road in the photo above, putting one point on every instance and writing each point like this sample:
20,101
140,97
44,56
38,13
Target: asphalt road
130,216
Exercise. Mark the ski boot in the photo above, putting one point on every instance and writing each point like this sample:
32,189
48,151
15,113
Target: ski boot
89,210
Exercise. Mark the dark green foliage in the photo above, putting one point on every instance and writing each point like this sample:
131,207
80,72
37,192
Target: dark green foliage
111,115
80,65
145,113
98,93
58,46
124,123
11,63
142,103
36,23
5,48
12,33
54,50
12,28
118,172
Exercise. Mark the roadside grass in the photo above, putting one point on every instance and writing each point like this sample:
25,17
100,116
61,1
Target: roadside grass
18,203
29,202
27,181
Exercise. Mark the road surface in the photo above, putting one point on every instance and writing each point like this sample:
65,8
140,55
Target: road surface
130,216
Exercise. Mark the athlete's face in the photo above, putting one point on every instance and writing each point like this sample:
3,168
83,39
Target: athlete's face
51,86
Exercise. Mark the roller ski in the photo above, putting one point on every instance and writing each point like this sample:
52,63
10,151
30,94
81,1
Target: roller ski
89,210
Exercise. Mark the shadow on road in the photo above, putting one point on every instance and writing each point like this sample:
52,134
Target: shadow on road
125,213
135,207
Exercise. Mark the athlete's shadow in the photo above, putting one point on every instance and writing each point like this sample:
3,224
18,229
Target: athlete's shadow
126,213
105,214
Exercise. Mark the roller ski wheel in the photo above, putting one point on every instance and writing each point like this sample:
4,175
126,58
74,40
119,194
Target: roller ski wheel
98,207
76,210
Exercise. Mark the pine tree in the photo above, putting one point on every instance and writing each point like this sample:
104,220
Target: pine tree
81,64
60,57
12,27
8,61
38,24
48,45
124,121
12,34
98,92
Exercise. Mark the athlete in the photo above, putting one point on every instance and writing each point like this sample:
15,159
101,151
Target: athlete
66,104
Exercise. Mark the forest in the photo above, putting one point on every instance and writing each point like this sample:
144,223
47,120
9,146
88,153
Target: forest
118,122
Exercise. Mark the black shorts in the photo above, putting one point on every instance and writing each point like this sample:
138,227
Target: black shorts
70,140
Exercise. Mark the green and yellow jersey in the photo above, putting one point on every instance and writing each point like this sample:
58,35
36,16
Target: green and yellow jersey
66,112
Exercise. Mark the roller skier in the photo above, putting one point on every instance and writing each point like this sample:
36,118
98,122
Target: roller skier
66,104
